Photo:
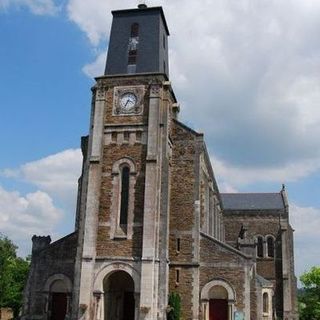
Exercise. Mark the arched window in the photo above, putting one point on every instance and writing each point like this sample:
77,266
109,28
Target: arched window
260,247
134,30
125,175
122,204
265,302
270,247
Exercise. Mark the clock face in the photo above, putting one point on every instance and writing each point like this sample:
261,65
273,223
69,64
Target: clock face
128,102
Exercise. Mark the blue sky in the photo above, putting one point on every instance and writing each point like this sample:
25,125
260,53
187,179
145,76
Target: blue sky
245,74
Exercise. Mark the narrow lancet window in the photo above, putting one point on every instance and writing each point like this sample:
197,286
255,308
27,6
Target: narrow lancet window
265,303
178,244
177,276
260,247
124,196
123,188
270,244
133,48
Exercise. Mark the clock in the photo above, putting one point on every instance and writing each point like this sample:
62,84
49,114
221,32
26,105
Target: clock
128,102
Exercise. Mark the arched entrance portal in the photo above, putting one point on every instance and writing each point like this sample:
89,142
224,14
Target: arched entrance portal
218,303
217,300
58,300
119,303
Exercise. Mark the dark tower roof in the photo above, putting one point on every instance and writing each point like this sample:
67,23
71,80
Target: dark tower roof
138,42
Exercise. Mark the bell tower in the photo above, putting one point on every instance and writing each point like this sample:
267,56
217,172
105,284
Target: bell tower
122,269
138,42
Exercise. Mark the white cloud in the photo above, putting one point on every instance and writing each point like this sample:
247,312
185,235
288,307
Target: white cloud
96,68
240,176
58,171
41,212
306,222
91,17
56,174
23,216
38,7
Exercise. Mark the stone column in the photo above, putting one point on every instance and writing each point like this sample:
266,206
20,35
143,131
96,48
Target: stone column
287,305
230,309
149,282
204,309
88,230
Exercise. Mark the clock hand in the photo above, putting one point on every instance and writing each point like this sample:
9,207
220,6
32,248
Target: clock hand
126,103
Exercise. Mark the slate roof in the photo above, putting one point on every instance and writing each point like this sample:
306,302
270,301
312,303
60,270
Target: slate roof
252,201
263,282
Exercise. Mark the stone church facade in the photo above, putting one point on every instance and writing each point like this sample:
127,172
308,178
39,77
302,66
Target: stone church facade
150,219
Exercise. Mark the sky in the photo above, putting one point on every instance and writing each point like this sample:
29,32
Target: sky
245,72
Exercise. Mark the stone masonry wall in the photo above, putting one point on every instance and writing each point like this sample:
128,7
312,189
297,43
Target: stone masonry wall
182,197
259,224
182,215
217,262
57,258
184,288
123,247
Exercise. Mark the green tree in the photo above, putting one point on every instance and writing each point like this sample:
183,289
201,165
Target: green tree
309,297
13,275
174,306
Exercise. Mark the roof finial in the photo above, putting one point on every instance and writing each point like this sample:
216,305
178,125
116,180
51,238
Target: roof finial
142,4
283,187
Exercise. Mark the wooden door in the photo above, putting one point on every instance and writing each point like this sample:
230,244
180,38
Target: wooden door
128,306
218,309
58,306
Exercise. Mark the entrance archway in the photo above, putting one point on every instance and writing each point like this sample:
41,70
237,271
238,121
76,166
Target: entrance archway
218,303
58,300
119,300
217,298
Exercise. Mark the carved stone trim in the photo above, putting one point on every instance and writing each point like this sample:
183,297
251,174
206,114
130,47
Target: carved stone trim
155,89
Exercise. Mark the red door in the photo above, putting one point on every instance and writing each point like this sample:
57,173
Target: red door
218,309
58,306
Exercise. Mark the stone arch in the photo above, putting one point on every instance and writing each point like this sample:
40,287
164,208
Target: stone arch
58,277
218,289
57,291
221,283
113,267
104,274
124,161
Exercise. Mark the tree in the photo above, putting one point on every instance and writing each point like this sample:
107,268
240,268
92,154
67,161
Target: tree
309,297
175,306
13,275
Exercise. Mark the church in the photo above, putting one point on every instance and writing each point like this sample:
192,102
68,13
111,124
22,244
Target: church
150,220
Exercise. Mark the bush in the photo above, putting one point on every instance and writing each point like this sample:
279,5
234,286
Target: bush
174,306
